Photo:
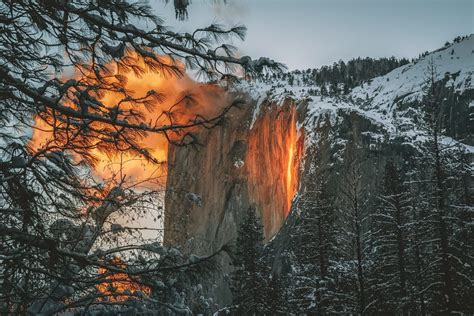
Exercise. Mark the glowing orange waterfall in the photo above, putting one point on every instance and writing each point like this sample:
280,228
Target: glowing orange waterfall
292,163
274,149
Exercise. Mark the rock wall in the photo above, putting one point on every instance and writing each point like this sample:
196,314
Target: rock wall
236,165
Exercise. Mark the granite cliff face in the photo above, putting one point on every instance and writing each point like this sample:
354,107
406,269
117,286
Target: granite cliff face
248,160
241,163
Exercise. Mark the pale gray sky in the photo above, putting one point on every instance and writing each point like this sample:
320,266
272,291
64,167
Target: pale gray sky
311,33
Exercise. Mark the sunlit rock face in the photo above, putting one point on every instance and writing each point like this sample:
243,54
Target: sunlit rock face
249,160
274,147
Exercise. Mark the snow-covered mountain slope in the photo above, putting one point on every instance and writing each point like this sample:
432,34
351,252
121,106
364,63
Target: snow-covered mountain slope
406,83
379,100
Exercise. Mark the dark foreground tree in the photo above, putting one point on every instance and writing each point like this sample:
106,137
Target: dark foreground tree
314,241
276,296
448,271
391,263
314,238
355,201
56,221
255,291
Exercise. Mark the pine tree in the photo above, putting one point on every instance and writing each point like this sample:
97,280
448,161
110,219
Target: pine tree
313,241
324,91
433,151
249,280
391,241
418,248
313,245
355,213
449,269
275,296
461,215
